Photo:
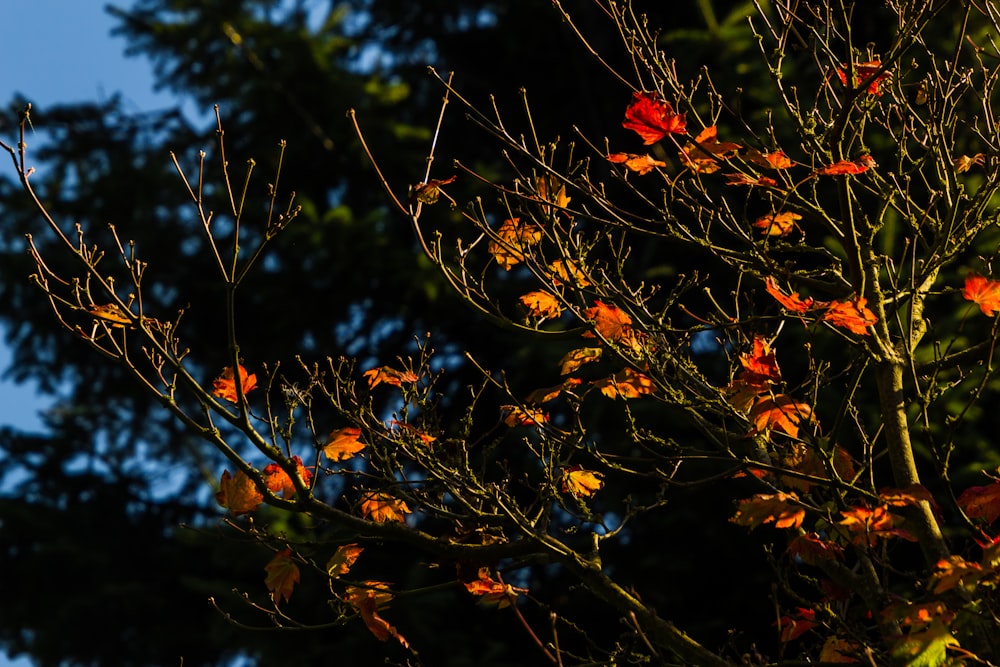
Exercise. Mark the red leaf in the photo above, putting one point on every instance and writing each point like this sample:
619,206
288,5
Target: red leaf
760,367
793,627
811,549
652,118
859,166
791,301
852,315
984,293
396,378
981,502
863,72
282,575
278,481
224,386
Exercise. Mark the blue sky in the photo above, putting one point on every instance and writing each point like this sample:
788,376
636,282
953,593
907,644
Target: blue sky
56,51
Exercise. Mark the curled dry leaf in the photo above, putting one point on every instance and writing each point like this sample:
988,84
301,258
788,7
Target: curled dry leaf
111,313
746,179
224,386
368,599
640,164
573,359
491,592
649,116
282,575
429,192
792,302
964,163
238,493
343,443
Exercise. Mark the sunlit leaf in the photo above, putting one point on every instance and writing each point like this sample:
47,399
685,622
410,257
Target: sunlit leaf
224,386
981,502
111,313
491,592
705,154
984,293
381,507
781,509
567,272
791,301
778,224
238,493
387,375
542,305
278,481
282,575
429,192
513,239
859,166
516,416
649,116
581,483
343,443
641,164
855,316
780,412
368,600
342,560
572,360
746,179
626,383
863,72
963,162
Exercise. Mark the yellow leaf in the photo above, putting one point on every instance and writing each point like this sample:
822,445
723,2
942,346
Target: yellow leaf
581,483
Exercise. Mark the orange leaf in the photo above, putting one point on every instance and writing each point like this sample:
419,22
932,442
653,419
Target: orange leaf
368,599
396,378
282,575
343,443
774,160
791,301
963,162
863,72
566,271
550,188
342,560
867,525
652,118
744,179
238,494
760,367
381,507
542,305
706,153
581,483
512,240
112,313
955,571
428,193
515,416
778,224
780,412
981,502
859,166
572,360
278,481
610,322
781,509
984,293
224,386
492,593
626,383
852,315
641,164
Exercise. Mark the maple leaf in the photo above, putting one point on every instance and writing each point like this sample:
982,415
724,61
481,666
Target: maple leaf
793,627
573,359
649,116
224,386
704,155
580,483
549,188
774,160
342,560
542,305
791,301
981,502
868,525
516,416
780,412
744,179
863,72
778,224
566,271
429,192
956,572
490,592
859,166
282,575
396,378
513,238
278,481
640,164
381,507
343,443
111,313
546,394
963,162
368,599
984,293
238,493
852,315
610,322
626,383
781,509
812,549
760,367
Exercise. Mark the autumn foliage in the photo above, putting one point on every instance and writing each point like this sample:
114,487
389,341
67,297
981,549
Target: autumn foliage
774,309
